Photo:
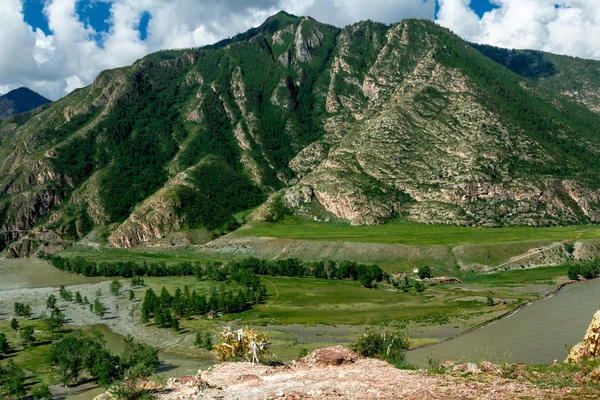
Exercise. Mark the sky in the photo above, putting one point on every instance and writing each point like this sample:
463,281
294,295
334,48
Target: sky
56,46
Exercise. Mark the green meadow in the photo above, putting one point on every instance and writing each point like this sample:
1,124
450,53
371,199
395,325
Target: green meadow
410,233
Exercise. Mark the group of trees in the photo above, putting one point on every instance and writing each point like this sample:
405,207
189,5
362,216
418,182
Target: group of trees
588,270
86,352
165,309
23,310
368,275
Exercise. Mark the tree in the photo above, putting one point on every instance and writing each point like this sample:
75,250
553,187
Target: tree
99,308
22,310
12,378
42,392
55,321
115,287
404,285
199,340
175,324
139,362
366,280
26,335
4,346
85,300
131,295
51,302
14,324
65,294
208,342
68,356
419,286
425,272
78,298
490,300
573,272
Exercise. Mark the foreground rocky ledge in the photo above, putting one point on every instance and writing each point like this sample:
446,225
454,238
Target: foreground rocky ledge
338,373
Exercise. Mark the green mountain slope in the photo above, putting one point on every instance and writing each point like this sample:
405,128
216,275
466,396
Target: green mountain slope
19,101
573,77
362,124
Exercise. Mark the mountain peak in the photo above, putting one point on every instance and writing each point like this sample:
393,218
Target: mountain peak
19,101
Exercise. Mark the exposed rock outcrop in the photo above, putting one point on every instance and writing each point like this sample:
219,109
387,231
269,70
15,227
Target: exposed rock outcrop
590,347
337,373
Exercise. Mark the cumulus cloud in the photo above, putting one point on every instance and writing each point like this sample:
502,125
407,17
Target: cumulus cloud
72,53
564,27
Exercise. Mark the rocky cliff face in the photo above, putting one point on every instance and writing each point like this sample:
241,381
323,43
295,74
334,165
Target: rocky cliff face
363,124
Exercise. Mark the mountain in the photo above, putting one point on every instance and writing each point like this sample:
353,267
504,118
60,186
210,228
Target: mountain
19,101
575,78
362,124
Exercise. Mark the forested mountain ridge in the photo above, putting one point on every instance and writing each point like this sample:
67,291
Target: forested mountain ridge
576,78
19,101
361,124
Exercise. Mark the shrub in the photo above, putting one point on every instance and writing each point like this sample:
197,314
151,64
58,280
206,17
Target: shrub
386,344
419,286
573,272
242,345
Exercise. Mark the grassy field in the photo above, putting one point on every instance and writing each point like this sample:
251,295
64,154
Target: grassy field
410,233
314,301
111,254
33,360
520,277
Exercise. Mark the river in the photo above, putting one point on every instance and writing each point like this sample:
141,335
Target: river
537,334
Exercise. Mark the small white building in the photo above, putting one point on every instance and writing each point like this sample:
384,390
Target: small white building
415,270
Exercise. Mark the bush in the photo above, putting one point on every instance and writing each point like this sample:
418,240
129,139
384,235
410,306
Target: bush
419,286
242,345
385,344
573,272
42,393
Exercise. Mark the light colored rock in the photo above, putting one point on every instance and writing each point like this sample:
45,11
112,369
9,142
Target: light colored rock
590,347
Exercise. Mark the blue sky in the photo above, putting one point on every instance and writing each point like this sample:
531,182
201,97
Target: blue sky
93,13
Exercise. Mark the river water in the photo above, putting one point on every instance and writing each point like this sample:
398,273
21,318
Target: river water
537,334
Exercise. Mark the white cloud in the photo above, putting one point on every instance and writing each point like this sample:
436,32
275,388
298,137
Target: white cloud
565,27
70,55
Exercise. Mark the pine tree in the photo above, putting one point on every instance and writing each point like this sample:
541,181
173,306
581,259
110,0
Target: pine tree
51,302
4,346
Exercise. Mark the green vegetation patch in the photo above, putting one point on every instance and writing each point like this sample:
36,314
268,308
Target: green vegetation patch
411,233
